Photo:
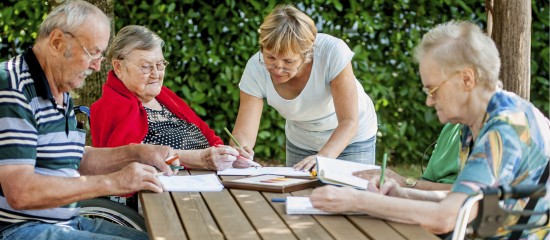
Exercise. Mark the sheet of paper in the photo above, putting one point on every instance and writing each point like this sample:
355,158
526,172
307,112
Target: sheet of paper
193,183
284,171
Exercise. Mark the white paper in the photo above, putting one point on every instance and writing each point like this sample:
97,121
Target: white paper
284,171
193,183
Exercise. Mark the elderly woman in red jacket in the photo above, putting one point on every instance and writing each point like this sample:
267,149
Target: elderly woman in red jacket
136,108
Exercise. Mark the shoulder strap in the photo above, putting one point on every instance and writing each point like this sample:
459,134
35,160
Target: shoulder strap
530,205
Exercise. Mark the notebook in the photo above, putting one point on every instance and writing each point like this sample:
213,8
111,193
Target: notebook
193,183
302,205
339,172
272,183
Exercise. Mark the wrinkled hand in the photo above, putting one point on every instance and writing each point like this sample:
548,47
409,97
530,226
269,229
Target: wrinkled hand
306,164
135,177
245,158
390,187
219,157
334,199
155,155
375,173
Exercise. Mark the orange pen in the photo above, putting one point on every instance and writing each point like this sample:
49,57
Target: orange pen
171,159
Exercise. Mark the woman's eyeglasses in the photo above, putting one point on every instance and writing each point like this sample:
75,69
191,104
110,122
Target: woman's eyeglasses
273,67
146,69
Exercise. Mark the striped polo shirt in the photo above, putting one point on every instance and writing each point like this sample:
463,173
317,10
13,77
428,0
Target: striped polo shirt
35,131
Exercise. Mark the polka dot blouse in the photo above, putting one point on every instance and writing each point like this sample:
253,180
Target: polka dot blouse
165,128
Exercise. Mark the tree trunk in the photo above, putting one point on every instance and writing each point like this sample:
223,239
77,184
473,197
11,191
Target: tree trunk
512,35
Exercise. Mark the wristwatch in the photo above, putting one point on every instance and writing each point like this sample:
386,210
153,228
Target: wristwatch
410,182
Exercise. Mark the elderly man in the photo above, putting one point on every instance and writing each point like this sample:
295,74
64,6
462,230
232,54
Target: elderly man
42,153
505,139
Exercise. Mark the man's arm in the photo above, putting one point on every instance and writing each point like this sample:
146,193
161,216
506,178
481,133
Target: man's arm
24,189
107,160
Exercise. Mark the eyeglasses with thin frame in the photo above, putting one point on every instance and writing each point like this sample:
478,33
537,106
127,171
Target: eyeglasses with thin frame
146,69
273,67
94,58
430,92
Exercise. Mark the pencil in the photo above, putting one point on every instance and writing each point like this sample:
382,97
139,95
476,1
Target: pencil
232,138
383,169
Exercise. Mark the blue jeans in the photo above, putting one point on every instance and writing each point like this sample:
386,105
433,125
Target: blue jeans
81,228
361,152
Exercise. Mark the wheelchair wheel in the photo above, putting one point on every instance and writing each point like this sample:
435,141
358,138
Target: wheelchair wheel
112,212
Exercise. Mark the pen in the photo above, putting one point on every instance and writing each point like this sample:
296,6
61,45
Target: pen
254,164
275,199
383,170
169,160
313,173
232,138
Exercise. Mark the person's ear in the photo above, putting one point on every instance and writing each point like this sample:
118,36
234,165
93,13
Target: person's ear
117,67
58,41
468,78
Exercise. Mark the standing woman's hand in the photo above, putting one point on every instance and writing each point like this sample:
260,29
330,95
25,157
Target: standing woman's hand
306,164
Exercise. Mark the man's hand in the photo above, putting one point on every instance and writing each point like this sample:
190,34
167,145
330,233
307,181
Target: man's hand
135,177
154,155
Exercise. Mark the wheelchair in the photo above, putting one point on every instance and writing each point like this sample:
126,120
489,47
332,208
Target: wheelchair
491,216
119,210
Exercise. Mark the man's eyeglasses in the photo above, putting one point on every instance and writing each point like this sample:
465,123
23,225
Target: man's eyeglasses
94,58
430,92
273,67
146,69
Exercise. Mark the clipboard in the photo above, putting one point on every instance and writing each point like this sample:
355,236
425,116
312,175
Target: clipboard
272,183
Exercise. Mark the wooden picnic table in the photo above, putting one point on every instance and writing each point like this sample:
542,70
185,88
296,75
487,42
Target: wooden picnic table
246,214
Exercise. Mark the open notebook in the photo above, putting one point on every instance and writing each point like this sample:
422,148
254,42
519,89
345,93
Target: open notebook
193,183
339,172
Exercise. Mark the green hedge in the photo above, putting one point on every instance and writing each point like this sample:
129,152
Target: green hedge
208,45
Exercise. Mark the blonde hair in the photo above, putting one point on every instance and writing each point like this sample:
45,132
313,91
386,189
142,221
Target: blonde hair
288,30
456,45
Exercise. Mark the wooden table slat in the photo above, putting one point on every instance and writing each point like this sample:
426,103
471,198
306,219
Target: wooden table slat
162,218
412,231
229,216
198,222
266,221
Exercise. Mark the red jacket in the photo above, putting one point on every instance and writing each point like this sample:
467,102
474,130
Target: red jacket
118,117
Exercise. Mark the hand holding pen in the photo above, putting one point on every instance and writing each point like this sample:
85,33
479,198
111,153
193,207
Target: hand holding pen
246,154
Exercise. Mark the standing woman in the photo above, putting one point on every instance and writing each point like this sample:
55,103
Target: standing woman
307,76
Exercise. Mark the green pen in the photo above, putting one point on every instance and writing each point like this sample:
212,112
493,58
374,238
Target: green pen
176,167
232,138
383,169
